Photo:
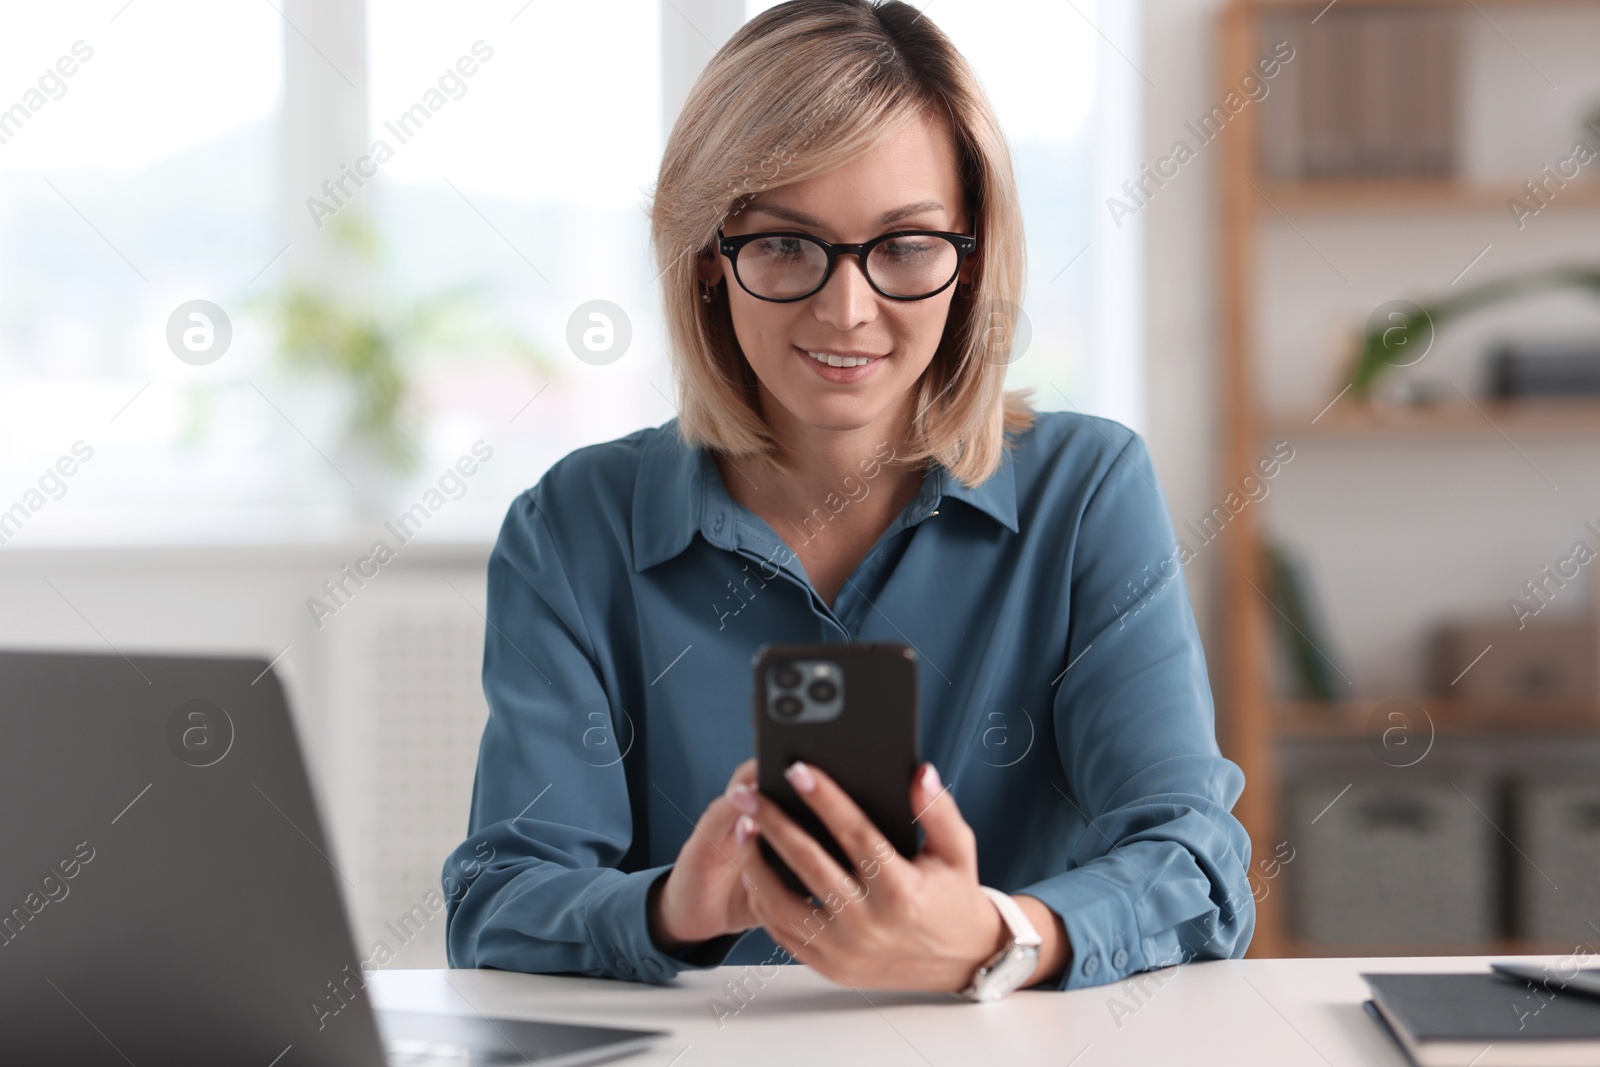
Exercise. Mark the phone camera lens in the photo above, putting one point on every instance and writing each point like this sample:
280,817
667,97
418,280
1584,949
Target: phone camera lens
822,691
787,706
786,677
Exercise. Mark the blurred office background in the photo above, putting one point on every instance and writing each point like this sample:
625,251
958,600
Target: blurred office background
1421,753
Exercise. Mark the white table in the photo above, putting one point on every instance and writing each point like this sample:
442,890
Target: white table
1233,1012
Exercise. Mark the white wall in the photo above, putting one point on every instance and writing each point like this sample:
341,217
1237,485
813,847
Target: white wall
1182,360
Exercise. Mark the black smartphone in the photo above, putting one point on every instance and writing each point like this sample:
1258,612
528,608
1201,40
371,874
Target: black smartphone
850,709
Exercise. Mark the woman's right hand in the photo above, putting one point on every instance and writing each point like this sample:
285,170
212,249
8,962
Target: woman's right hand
703,896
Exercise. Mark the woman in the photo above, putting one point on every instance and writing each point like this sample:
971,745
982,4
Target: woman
854,471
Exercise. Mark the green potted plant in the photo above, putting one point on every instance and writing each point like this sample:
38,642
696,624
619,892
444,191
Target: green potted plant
1404,335
371,350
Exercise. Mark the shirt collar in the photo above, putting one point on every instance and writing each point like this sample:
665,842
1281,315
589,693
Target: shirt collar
673,498
996,496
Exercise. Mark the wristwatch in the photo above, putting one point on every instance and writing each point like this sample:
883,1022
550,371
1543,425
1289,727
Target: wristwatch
1013,965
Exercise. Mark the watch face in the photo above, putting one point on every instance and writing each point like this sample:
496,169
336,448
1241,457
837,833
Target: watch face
1015,968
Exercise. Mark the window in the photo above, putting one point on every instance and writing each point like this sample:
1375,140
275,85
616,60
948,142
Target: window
529,186
499,155
138,157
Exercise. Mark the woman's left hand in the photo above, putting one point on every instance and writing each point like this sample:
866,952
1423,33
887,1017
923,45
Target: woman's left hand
893,923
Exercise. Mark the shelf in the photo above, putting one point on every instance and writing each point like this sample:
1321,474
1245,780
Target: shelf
1353,418
1411,194
1255,7
1350,719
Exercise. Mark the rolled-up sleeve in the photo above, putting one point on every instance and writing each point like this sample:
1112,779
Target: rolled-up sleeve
547,880
1160,876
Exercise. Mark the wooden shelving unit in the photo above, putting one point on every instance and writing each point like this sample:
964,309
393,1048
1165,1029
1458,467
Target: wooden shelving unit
1456,417
1447,718
1251,719
1421,195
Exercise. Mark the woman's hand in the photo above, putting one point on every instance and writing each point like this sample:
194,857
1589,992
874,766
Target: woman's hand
892,923
704,895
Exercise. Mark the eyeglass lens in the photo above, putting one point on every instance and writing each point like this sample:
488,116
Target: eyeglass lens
787,267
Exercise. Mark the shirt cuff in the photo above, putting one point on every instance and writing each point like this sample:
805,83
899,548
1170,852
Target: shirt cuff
1100,924
619,929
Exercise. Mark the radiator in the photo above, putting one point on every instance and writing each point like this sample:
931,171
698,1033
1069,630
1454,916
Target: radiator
402,659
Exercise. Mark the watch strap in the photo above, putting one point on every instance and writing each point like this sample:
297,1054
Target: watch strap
997,976
1022,931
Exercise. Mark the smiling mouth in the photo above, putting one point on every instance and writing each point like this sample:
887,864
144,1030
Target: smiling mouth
831,360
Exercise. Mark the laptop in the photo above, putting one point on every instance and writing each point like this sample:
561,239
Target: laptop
167,893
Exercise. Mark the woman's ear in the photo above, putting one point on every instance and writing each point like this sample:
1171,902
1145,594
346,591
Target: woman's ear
969,270
709,269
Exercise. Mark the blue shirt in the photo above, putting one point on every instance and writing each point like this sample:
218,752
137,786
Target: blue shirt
1064,698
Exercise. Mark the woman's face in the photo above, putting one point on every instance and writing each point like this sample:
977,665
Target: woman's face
907,182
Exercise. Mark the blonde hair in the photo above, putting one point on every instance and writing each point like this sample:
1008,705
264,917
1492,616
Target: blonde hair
797,91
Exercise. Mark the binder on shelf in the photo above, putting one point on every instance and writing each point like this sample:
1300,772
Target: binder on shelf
1518,370
1370,94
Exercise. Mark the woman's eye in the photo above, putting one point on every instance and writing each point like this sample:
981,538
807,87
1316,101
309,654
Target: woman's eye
905,249
781,247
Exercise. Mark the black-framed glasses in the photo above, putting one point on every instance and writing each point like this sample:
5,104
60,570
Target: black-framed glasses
782,266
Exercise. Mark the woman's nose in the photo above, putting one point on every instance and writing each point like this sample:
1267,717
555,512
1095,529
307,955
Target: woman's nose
848,299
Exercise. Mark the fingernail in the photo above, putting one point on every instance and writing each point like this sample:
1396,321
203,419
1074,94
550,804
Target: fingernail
800,777
930,778
744,828
743,798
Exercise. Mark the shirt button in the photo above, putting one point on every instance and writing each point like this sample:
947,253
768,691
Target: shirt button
717,524
624,967
1091,965
1120,959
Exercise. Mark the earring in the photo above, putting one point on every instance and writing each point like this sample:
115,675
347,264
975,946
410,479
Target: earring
706,293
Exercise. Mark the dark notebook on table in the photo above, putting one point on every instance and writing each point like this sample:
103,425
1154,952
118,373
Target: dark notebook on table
1487,1020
